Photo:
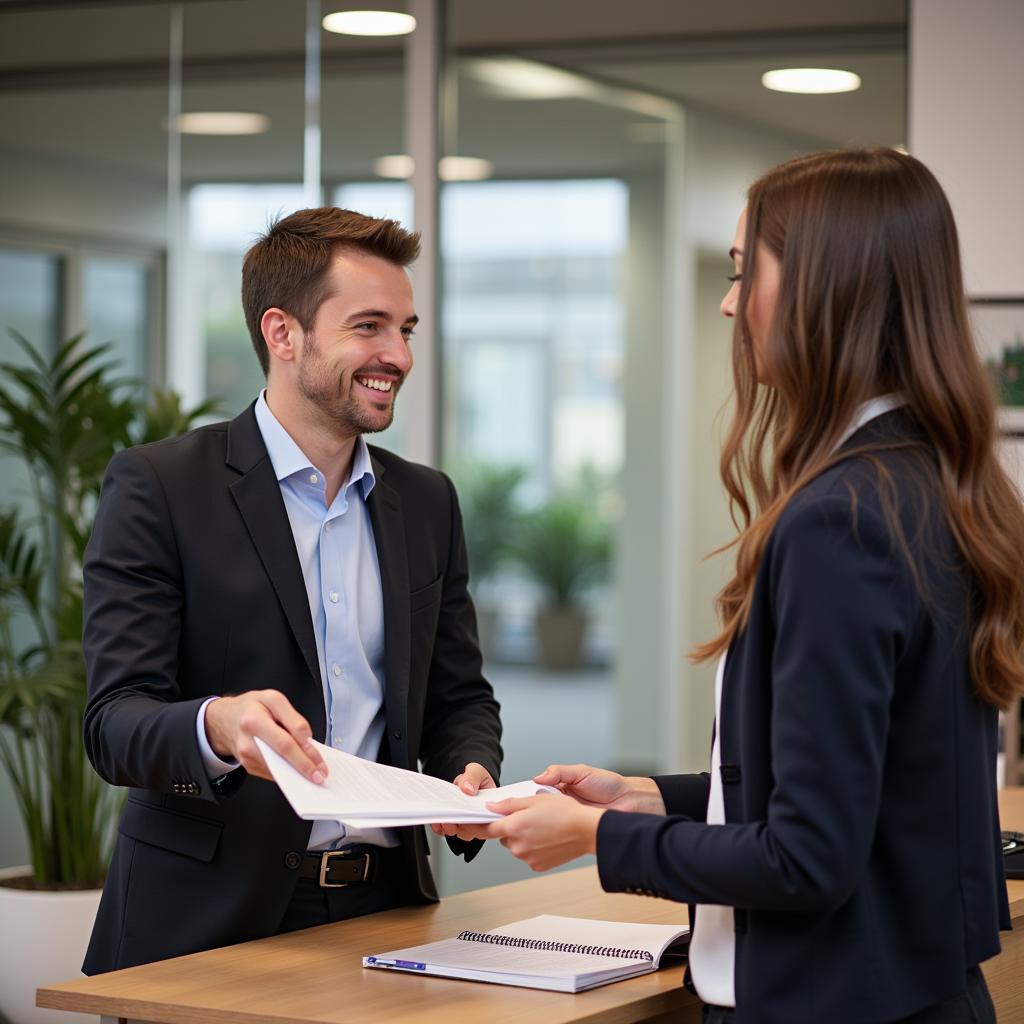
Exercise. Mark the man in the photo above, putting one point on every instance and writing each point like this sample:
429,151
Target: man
276,577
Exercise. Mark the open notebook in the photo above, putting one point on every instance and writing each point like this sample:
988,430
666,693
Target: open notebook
566,954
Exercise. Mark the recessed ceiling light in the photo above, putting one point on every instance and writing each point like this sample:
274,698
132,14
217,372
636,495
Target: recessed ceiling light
397,166
222,122
810,80
449,168
369,23
516,79
464,168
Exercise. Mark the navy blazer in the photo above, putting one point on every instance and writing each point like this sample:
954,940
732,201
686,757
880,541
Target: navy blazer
193,588
861,845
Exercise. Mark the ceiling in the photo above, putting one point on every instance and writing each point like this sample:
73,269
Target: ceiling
87,82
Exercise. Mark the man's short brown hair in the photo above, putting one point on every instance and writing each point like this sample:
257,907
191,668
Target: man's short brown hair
287,267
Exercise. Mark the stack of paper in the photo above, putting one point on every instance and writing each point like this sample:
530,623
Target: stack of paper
363,794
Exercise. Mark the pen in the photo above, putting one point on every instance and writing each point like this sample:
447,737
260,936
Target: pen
408,964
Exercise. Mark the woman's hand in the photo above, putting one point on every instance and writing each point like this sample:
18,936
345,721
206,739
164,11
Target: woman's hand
597,787
545,831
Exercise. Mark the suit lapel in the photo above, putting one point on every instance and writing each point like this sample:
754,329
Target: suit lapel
388,521
258,497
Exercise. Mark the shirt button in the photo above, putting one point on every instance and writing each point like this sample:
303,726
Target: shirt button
334,597
338,743
313,478
336,669
327,527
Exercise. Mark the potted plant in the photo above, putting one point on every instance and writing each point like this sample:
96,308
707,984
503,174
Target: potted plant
490,517
565,547
61,420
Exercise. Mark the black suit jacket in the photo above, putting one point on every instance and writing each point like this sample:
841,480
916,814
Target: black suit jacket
861,845
193,588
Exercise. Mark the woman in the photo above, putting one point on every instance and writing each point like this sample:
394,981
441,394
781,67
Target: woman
843,852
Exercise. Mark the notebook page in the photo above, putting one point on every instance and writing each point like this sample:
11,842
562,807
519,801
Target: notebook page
653,939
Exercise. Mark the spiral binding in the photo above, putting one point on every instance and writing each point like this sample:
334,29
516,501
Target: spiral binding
548,945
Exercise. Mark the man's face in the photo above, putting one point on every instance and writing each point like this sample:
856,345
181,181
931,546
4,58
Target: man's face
356,356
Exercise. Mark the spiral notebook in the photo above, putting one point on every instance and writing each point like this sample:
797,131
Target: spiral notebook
565,954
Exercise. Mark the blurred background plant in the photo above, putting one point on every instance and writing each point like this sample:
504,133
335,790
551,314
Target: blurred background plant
490,514
62,418
488,495
564,546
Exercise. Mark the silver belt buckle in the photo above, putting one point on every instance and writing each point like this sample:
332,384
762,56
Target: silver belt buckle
325,866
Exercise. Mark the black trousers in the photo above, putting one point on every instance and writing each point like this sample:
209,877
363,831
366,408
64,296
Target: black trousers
391,887
972,1006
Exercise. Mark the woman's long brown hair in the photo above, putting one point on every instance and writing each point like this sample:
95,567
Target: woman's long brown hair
871,301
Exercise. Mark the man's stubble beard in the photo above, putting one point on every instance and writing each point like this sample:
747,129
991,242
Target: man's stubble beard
319,385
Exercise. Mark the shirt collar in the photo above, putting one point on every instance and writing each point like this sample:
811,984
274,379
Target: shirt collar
870,410
288,458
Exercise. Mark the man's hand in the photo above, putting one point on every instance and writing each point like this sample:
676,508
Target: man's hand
475,778
597,787
545,831
232,723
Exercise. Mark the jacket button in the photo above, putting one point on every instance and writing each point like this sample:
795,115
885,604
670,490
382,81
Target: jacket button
292,860
397,734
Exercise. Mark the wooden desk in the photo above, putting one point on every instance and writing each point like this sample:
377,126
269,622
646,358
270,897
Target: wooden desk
316,977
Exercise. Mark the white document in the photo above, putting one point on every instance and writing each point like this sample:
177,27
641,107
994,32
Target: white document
565,954
363,794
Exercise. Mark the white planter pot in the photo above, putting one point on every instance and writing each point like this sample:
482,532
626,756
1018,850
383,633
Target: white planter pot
43,936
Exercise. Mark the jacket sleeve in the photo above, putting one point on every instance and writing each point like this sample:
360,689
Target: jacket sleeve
461,721
685,794
138,730
840,604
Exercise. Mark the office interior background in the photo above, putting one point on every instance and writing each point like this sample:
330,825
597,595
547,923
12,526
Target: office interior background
573,346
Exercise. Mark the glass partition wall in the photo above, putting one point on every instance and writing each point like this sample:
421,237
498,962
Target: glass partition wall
593,162
83,200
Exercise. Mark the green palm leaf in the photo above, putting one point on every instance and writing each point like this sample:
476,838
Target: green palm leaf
63,418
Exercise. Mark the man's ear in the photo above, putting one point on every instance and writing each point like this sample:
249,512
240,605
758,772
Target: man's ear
280,331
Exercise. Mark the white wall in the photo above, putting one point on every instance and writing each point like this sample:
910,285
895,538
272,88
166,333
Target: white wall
721,160
712,527
639,562
965,123
676,382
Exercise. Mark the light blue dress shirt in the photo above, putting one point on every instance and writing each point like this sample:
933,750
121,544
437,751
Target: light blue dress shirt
338,559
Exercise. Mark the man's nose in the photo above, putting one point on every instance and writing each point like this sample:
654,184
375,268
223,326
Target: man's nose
397,352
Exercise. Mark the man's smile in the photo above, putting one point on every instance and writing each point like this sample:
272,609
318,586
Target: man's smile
383,384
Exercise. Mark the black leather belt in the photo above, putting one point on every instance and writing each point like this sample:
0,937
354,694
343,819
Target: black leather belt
334,869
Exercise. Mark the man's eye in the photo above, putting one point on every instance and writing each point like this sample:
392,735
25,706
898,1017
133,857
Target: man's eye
408,332
368,326
733,278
